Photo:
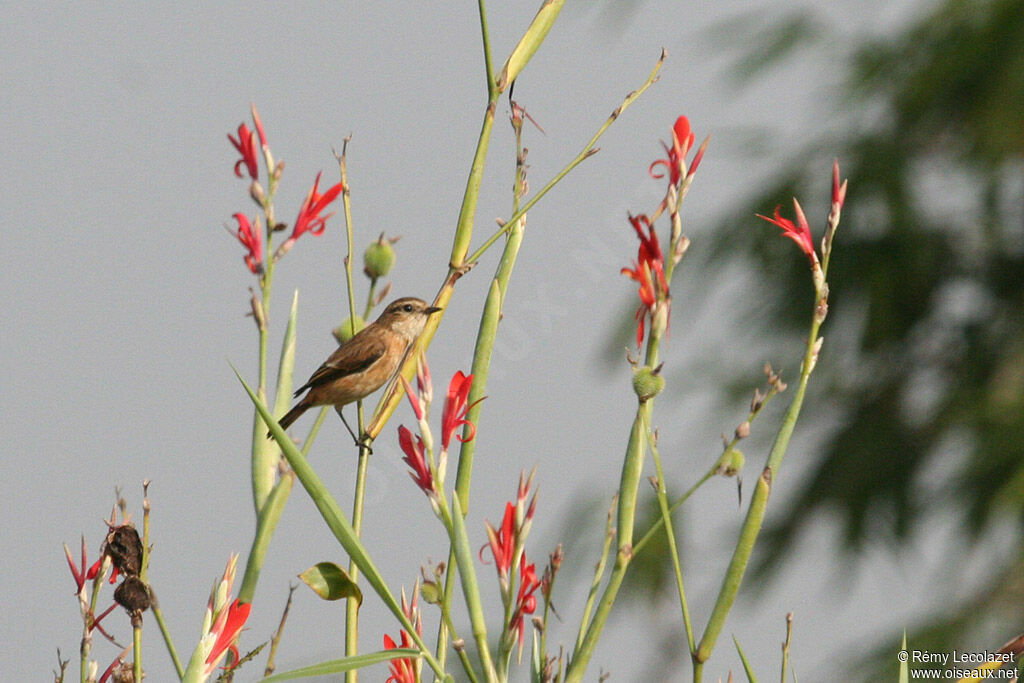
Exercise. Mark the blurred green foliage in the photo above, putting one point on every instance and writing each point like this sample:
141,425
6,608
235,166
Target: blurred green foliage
928,293
929,274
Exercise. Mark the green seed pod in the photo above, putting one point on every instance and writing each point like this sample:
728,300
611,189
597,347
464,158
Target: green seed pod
379,258
431,593
647,383
731,462
343,332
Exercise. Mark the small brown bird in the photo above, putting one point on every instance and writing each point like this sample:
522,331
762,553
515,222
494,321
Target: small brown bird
365,362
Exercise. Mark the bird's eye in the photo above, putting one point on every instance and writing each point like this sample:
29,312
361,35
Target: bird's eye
407,308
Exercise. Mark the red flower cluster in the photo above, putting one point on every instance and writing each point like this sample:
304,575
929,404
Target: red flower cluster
675,163
404,670
648,270
228,625
505,543
309,218
800,232
227,620
416,447
83,574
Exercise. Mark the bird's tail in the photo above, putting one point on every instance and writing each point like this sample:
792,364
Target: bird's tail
292,415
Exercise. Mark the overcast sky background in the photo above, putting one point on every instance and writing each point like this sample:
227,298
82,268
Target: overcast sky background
126,300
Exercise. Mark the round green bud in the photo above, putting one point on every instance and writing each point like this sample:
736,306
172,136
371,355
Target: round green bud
343,332
379,258
431,593
731,462
647,383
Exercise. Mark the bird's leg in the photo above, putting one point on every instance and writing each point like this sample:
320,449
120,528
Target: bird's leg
363,442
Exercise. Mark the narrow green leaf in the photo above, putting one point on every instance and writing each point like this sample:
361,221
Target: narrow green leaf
266,523
746,665
536,663
283,395
464,561
331,582
904,663
336,666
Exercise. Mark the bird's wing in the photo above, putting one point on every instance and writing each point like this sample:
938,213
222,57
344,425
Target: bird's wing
355,356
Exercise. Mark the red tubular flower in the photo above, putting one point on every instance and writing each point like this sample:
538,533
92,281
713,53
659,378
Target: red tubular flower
402,670
251,240
502,542
526,602
455,408
309,219
415,457
227,626
799,232
246,146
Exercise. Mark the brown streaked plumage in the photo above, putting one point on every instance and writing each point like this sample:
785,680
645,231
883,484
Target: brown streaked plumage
365,362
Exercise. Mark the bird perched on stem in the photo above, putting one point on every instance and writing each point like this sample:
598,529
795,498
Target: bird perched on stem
365,362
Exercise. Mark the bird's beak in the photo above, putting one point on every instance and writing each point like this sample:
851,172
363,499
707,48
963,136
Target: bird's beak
430,310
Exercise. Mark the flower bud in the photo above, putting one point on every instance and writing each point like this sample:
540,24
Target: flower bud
647,383
379,258
343,332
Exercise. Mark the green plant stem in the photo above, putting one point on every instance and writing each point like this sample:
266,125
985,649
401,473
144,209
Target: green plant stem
264,457
464,559
660,522
464,229
587,151
632,468
486,335
137,652
158,614
489,73
670,535
352,606
273,504
275,640
457,266
785,646
369,303
467,665
755,514
609,535
266,523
